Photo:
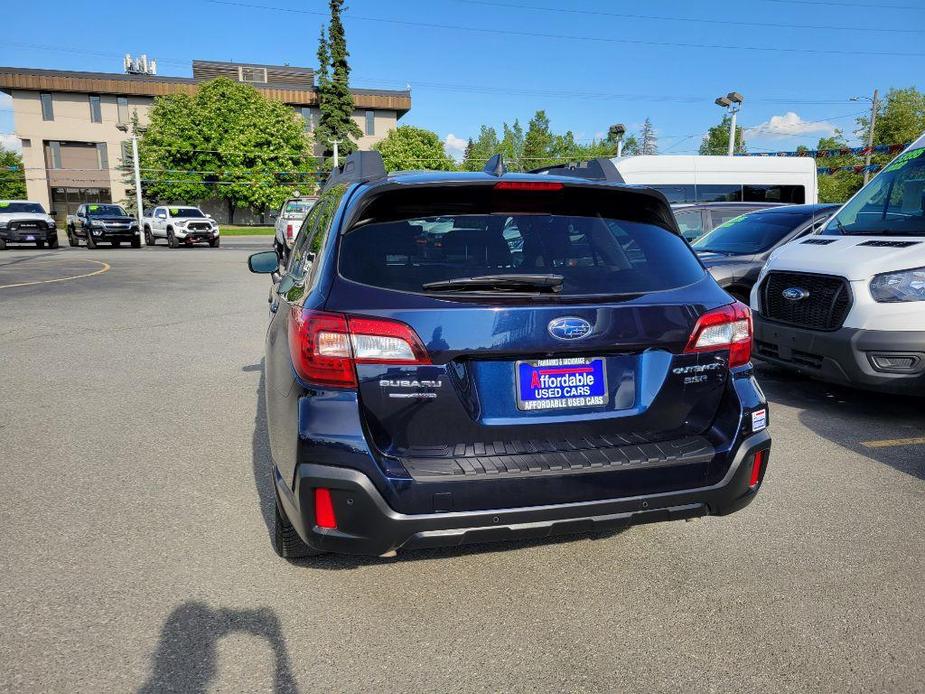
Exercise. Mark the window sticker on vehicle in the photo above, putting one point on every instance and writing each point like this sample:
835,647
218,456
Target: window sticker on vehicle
174,211
759,420
730,222
904,159
4,204
93,208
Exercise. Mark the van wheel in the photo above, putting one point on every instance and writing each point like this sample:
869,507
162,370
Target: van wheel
172,240
286,540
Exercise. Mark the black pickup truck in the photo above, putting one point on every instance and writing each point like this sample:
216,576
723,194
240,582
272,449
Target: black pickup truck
97,223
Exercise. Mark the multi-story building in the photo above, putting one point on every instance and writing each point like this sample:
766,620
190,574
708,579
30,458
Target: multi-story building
74,125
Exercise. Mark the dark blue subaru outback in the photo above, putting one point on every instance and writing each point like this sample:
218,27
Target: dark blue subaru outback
467,357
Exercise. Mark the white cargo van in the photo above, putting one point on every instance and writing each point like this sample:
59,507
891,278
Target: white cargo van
690,179
848,305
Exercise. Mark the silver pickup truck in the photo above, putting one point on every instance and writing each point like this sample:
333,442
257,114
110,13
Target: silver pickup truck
289,221
179,224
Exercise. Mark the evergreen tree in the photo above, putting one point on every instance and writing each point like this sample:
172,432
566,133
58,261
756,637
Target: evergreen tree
648,138
537,148
335,102
486,146
512,146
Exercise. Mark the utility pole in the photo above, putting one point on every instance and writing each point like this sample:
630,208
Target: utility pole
870,137
138,209
733,102
336,157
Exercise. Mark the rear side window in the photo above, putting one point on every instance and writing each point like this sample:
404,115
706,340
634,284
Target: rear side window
594,255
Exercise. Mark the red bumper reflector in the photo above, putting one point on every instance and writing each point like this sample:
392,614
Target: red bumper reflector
324,509
757,464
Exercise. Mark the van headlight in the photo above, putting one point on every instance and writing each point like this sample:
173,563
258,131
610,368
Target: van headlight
902,285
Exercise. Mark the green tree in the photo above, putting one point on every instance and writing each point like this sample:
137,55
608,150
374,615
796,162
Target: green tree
537,142
717,139
12,175
900,118
486,146
227,141
648,140
512,146
335,102
841,185
407,148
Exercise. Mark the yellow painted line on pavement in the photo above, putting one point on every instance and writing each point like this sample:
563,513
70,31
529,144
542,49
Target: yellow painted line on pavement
886,443
105,268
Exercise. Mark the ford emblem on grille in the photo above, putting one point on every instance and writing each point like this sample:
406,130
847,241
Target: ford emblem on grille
795,293
569,328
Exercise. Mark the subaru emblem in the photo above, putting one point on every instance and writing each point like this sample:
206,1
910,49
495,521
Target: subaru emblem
569,328
794,293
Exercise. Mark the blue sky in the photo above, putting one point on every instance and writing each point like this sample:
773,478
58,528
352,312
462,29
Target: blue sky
588,64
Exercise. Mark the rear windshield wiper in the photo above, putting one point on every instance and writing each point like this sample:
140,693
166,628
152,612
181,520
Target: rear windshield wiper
544,284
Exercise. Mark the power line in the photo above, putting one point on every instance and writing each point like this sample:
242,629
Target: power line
829,3
666,18
575,37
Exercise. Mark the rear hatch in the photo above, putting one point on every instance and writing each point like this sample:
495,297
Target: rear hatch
552,327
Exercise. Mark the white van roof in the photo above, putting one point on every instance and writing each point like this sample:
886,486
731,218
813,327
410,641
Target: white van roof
689,164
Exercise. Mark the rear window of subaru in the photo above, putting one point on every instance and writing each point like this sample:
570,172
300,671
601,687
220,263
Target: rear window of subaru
594,255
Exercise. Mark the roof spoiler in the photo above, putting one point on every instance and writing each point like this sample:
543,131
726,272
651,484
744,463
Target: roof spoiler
359,167
600,169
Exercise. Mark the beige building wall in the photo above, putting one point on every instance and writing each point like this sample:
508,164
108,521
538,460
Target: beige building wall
385,121
71,123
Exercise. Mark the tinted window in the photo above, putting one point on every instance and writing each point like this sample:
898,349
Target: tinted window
750,233
721,216
48,109
795,195
185,212
719,193
32,207
594,255
106,211
96,111
676,193
892,203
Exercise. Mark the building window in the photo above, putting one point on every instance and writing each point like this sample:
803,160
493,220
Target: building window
48,109
122,103
55,150
370,122
96,110
252,75
308,115
103,156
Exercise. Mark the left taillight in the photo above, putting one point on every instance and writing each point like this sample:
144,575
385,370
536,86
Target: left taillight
728,327
325,347
288,231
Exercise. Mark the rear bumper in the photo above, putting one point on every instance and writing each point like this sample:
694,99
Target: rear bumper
849,356
367,525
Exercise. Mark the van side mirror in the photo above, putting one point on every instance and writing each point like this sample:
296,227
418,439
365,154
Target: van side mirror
263,263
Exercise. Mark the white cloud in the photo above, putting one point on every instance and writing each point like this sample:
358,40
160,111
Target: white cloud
454,146
10,141
789,125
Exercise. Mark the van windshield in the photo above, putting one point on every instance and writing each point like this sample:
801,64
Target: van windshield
580,255
893,204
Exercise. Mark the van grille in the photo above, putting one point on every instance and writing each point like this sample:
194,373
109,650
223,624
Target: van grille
824,308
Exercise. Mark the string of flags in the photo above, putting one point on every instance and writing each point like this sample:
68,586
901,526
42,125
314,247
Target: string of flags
839,152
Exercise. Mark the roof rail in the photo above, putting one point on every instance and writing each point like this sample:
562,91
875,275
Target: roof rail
359,167
600,169
495,166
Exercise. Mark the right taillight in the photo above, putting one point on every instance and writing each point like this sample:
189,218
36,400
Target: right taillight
728,327
326,346
288,231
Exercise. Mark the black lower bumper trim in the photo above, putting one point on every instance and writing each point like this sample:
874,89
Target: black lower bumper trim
849,356
367,525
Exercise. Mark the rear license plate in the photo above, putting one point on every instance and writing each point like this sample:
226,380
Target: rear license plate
561,384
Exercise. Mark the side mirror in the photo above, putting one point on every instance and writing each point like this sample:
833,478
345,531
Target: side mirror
263,263
273,216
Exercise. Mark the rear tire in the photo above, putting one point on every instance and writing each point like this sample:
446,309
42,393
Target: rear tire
286,540
172,240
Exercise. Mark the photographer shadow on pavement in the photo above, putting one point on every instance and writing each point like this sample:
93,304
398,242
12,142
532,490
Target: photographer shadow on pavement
185,660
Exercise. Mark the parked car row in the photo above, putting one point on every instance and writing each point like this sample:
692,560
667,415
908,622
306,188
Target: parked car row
180,225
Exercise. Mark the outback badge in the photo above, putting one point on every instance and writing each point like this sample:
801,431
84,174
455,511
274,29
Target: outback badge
569,328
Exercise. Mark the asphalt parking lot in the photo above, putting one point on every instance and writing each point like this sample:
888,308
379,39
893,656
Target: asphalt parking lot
136,554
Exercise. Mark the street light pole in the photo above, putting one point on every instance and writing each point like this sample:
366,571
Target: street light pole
138,209
336,157
733,103
870,137
732,132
